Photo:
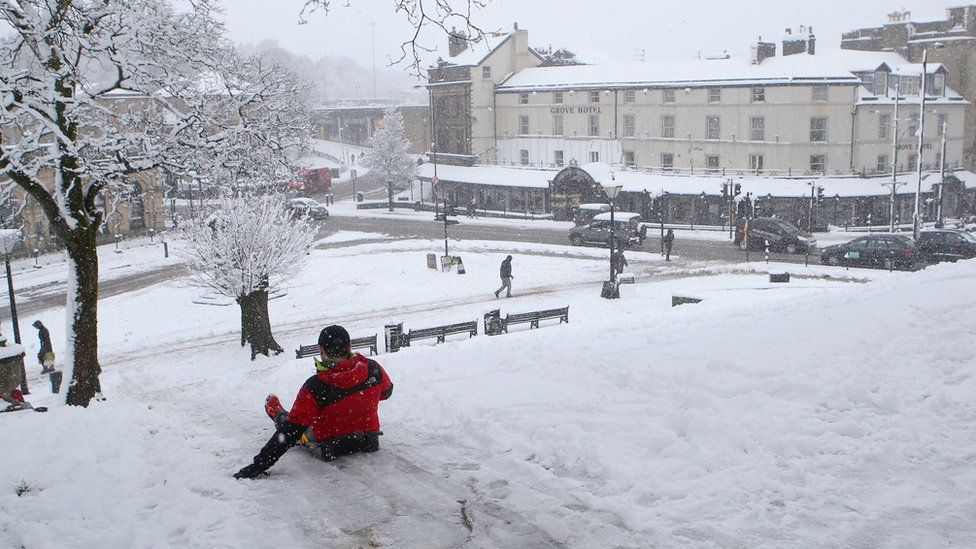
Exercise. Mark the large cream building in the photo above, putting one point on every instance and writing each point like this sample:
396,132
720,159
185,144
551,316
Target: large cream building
801,112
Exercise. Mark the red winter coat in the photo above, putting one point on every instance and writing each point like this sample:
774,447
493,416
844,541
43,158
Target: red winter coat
343,399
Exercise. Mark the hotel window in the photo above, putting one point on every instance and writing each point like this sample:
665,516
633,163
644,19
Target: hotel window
669,96
523,125
942,124
758,95
594,96
557,157
486,72
630,159
818,162
713,126
594,125
630,96
820,93
715,95
630,125
667,126
756,163
524,98
818,129
524,157
908,85
758,129
667,161
884,122
594,156
912,161
712,163
938,160
913,125
882,163
557,97
557,124
880,83
935,85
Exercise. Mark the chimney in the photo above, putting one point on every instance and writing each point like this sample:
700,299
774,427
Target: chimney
801,42
457,42
762,51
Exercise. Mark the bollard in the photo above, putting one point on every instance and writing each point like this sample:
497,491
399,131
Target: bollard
118,238
806,258
767,251
165,249
36,255
55,377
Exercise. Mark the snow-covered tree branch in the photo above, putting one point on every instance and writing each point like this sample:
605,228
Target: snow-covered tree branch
94,92
244,250
388,157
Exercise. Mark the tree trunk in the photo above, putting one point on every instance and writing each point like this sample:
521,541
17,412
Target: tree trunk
389,194
82,312
256,324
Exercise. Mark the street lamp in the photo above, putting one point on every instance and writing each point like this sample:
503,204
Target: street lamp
9,238
917,220
610,289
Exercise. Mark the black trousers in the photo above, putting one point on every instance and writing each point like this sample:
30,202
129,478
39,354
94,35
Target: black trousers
330,449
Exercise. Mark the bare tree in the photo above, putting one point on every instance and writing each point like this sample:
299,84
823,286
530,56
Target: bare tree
452,17
244,250
388,158
69,135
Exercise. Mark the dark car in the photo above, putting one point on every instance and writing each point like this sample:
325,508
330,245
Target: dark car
893,251
309,207
782,236
945,245
628,230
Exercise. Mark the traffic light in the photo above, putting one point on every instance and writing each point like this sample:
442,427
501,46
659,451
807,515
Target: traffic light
738,189
725,190
820,194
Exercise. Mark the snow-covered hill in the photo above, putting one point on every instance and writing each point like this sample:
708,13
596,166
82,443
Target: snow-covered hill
835,411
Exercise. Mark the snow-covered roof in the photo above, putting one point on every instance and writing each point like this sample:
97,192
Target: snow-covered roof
732,71
658,183
866,61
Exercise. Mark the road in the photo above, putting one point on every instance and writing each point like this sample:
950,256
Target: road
701,250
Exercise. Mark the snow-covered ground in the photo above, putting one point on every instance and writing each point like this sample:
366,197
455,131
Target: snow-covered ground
833,411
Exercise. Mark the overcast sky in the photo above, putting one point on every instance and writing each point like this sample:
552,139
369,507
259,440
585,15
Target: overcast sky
615,28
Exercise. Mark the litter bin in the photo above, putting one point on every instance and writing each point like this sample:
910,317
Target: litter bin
393,333
460,264
55,381
359,196
493,322
12,364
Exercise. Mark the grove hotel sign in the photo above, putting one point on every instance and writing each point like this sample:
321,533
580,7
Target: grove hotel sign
577,110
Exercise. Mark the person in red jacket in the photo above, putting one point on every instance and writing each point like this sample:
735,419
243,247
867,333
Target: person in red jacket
335,411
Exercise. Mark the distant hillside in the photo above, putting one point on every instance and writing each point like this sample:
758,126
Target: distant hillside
339,77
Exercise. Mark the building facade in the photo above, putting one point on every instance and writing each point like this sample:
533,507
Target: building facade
355,124
950,42
805,113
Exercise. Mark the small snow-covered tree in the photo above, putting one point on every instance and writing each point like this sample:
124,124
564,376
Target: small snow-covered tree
388,158
244,250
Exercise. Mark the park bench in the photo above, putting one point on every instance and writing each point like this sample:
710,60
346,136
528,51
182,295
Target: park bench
534,317
440,332
368,342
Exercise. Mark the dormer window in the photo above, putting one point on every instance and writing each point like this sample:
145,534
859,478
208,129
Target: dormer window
486,72
935,84
880,83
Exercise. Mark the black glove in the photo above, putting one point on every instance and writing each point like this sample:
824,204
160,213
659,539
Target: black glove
251,471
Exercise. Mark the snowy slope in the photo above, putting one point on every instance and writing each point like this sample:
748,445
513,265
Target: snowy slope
831,412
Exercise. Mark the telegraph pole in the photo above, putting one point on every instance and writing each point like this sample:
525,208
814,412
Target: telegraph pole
917,219
942,165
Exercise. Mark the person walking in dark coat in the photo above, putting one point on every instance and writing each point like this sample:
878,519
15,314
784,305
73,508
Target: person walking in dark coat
619,261
668,242
45,355
506,274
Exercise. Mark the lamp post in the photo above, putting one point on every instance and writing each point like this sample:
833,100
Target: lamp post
9,238
916,218
610,290
942,164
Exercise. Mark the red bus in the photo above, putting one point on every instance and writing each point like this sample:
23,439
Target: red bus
312,180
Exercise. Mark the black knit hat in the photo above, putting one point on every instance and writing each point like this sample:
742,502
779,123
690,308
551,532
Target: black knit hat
334,341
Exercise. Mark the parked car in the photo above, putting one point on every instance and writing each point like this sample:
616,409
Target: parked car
628,230
782,236
945,245
880,250
309,207
584,213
